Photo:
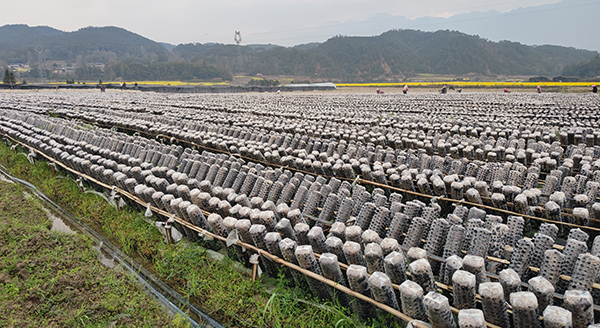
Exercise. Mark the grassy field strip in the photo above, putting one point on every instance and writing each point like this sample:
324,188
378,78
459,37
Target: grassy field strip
137,272
53,279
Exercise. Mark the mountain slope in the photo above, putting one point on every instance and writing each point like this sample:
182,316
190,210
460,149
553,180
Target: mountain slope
586,70
18,43
565,23
393,55
19,36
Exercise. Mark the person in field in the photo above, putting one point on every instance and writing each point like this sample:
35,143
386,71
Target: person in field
378,90
594,88
405,90
444,89
506,90
539,89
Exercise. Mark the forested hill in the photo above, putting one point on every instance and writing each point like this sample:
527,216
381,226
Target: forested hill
586,69
21,43
391,56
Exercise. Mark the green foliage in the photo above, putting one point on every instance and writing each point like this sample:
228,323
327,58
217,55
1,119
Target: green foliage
393,55
585,70
538,79
70,81
90,44
263,82
9,77
161,72
54,279
87,73
34,73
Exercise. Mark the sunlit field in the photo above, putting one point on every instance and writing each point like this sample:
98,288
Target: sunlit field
472,84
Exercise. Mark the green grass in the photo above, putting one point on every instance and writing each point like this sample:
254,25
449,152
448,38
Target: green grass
51,279
215,286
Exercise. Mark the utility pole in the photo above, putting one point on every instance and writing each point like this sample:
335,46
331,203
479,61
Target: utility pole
41,71
238,39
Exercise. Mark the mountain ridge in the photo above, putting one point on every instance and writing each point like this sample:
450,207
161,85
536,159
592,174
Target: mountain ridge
391,56
19,43
563,23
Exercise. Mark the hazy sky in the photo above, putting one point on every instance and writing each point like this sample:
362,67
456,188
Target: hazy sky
260,21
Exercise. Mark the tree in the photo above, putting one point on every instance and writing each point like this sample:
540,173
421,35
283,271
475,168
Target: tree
586,70
9,77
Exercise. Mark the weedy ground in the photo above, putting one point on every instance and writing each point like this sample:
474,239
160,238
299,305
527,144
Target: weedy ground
216,286
53,279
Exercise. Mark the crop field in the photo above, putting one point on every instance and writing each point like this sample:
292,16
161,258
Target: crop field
173,83
439,210
469,84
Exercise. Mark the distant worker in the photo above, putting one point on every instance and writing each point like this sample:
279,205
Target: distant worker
405,90
459,90
444,89
135,85
124,86
102,88
506,90
278,91
594,88
539,89
378,90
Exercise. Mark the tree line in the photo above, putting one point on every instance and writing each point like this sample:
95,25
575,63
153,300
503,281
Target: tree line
395,55
589,69
391,56
167,71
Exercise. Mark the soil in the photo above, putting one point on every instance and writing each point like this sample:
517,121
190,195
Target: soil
52,279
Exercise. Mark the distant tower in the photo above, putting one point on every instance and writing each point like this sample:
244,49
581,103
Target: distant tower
238,39
41,71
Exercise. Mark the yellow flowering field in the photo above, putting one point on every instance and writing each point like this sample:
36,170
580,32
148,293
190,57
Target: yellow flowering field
472,84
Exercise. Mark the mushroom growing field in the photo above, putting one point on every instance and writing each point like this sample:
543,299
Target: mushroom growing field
444,210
